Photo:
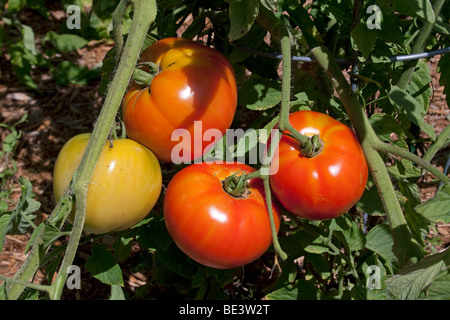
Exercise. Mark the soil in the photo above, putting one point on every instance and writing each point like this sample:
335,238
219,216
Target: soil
60,112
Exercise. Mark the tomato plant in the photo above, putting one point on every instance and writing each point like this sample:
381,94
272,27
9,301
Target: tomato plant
124,187
324,185
194,83
210,225
249,66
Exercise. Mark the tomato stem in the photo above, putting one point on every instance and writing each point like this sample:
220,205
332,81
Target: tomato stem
309,146
117,25
144,77
275,242
144,14
405,248
235,185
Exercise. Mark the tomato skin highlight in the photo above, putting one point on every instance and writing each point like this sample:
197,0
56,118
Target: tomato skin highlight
211,226
327,185
195,83
124,188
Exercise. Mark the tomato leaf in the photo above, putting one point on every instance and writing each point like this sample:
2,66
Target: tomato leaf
103,266
353,234
410,282
412,108
380,241
242,16
438,208
370,203
363,39
302,290
421,8
70,73
65,42
419,86
260,93
18,221
439,289
116,293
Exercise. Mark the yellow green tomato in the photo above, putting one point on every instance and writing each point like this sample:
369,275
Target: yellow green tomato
124,188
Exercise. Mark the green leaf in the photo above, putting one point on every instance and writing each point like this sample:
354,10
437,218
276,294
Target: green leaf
302,19
363,39
175,260
28,39
103,266
16,5
65,42
21,64
352,232
438,208
317,248
4,223
302,290
380,241
20,219
242,16
408,285
421,8
439,289
371,203
412,108
385,125
403,169
259,93
116,293
69,73
419,86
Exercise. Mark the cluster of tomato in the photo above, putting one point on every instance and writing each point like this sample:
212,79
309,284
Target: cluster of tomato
197,83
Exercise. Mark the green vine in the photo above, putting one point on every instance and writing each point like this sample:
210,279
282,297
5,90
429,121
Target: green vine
145,13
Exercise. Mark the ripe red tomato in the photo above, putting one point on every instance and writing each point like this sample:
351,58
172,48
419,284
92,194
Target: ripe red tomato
327,185
211,226
195,83
124,188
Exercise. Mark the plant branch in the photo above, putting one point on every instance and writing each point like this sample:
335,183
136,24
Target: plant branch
117,25
440,141
419,46
392,149
144,14
405,248
309,145
31,264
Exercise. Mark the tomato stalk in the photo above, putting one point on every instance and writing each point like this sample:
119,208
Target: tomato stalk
145,13
144,77
235,185
419,46
309,146
405,247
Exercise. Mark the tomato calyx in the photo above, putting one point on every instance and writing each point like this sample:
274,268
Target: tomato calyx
236,186
144,73
313,147
310,147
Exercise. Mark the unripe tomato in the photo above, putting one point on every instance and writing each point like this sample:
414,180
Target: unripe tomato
211,226
327,185
194,83
124,188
